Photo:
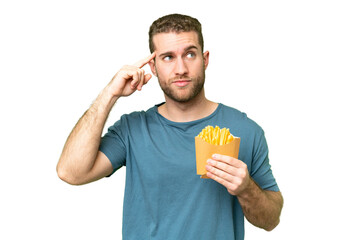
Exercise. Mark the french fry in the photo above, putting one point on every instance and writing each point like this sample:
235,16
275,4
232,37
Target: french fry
216,136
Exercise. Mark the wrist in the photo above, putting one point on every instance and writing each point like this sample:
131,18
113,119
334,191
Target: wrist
104,102
108,96
250,191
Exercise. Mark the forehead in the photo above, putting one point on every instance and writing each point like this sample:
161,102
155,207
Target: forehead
172,42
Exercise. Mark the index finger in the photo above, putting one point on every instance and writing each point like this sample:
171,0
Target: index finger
144,61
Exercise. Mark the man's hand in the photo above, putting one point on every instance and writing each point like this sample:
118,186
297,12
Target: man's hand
130,78
262,208
230,172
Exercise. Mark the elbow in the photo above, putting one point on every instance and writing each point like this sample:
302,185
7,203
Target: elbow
272,226
276,217
65,176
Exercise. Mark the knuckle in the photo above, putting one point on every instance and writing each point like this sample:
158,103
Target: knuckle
216,171
230,160
237,182
214,164
232,188
226,168
243,173
221,174
139,71
245,166
216,178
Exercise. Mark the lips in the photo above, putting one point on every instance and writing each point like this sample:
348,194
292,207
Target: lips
181,82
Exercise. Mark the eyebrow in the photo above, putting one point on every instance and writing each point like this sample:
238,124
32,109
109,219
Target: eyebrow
171,52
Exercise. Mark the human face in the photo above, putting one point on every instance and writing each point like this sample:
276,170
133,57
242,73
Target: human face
179,65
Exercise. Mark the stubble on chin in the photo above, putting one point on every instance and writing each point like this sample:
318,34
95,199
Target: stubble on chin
186,94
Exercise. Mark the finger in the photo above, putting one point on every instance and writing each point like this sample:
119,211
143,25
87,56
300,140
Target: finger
136,76
147,78
135,80
225,167
220,173
229,160
144,61
220,180
141,78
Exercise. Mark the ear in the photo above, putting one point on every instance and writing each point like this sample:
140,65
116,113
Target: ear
206,58
152,67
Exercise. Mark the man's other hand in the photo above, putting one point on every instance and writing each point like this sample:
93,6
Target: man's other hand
130,78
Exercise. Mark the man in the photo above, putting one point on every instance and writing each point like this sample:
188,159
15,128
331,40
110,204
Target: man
164,198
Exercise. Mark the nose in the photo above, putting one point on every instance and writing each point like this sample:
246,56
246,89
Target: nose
180,67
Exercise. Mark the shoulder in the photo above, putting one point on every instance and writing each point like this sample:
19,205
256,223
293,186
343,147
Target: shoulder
238,116
137,115
133,120
240,124
232,111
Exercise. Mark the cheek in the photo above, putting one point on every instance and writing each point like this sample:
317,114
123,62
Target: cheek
163,70
195,68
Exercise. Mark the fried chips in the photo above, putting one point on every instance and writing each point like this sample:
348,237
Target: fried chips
216,136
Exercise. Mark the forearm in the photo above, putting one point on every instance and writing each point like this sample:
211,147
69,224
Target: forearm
79,162
81,148
261,208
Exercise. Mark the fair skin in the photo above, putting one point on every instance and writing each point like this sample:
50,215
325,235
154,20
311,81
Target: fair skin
81,162
179,64
262,208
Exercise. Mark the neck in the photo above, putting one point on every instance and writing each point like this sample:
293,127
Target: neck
197,108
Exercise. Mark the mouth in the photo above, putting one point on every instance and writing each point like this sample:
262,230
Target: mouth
181,82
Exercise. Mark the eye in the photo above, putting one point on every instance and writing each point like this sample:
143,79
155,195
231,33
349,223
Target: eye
167,58
190,55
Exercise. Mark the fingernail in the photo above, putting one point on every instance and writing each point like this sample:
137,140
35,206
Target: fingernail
215,156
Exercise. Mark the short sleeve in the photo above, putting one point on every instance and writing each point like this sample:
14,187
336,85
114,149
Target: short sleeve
113,145
261,169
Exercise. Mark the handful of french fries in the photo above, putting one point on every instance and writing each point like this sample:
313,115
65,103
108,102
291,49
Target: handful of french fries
214,140
216,136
